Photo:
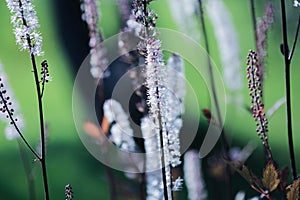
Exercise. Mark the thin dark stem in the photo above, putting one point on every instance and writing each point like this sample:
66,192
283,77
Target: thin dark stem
42,126
143,186
163,169
295,40
253,16
112,183
288,90
17,128
40,107
215,98
212,81
27,170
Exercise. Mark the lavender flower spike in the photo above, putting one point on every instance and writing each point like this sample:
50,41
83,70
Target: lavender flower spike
25,23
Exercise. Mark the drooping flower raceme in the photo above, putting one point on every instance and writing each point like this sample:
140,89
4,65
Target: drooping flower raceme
25,23
9,108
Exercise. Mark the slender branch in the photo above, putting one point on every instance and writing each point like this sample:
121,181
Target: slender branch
212,81
216,103
42,125
27,170
17,128
253,16
288,90
295,41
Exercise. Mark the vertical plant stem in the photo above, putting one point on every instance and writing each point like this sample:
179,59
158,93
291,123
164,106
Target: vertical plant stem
27,170
216,103
112,183
40,108
212,81
253,16
163,170
42,125
143,186
288,90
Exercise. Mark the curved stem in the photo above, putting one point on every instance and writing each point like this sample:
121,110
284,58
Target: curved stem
295,40
212,81
288,90
17,128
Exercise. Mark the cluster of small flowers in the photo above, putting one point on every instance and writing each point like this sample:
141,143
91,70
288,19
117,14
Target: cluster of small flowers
9,108
45,72
254,85
177,184
25,24
143,15
161,100
121,132
98,59
69,192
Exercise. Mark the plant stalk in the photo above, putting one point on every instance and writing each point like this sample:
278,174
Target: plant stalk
42,158
216,103
288,90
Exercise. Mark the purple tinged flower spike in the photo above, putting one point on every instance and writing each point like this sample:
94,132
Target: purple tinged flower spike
258,110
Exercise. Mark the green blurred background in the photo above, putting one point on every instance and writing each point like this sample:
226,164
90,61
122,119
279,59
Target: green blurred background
69,162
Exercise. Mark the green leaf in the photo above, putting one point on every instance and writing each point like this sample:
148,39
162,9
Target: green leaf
270,178
293,190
